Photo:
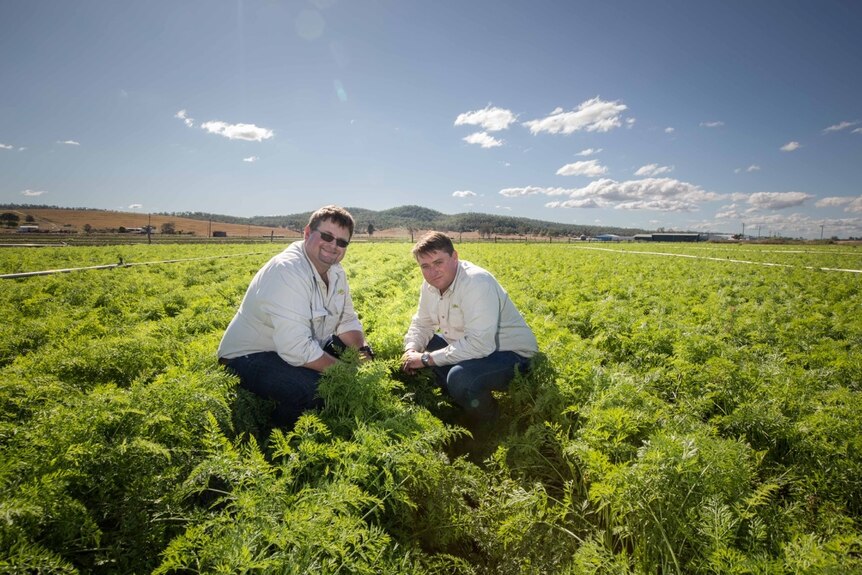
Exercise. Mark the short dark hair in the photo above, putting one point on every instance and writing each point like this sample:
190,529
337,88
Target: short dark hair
433,242
332,213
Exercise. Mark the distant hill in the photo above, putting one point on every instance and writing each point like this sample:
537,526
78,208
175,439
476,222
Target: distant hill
407,218
420,218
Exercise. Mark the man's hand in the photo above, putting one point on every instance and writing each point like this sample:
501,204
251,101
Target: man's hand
366,353
411,361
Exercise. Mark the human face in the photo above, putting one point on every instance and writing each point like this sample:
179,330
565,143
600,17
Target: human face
438,268
324,254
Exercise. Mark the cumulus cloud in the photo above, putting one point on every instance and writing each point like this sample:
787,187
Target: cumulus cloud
489,119
5,146
834,201
589,168
248,132
463,194
483,139
855,205
653,170
589,152
669,130
593,115
250,159
777,200
714,124
136,206
33,193
69,142
841,126
790,146
183,115
662,194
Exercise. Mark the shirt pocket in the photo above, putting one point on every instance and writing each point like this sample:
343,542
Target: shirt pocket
319,318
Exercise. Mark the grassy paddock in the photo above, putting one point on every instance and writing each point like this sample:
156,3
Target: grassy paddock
695,409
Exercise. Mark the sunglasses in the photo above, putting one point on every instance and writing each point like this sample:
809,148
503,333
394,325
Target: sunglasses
329,238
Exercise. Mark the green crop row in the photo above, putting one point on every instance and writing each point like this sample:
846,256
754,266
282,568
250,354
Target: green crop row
688,413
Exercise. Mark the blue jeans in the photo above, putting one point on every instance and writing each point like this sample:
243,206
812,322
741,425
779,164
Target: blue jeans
293,389
471,382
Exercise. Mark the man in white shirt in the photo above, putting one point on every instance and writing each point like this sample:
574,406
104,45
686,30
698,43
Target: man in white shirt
466,329
295,319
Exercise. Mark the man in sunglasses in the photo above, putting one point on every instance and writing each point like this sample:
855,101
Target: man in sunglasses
466,329
296,318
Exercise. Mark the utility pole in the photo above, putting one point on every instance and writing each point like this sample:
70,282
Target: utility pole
821,231
149,228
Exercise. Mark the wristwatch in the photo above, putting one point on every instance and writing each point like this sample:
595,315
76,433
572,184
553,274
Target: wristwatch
426,359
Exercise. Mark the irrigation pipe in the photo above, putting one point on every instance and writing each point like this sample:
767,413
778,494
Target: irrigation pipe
120,264
715,259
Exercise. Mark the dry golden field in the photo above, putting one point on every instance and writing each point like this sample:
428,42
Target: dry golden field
73,221
59,220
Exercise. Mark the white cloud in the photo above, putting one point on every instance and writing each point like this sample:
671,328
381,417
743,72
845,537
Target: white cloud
653,170
777,200
857,131
489,119
532,191
183,115
5,147
663,194
589,152
463,194
594,115
715,124
68,142
248,132
749,169
790,146
33,193
250,159
589,168
585,203
483,139
834,201
840,126
854,206
136,206
669,130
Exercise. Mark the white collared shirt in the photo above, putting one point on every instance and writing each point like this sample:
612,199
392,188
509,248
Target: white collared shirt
474,315
288,308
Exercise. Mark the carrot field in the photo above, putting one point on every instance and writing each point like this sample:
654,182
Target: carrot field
694,409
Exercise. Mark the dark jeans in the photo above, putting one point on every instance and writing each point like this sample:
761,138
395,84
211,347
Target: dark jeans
293,389
471,382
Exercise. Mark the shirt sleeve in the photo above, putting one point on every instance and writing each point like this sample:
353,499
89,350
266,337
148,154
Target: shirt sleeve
422,325
286,302
480,306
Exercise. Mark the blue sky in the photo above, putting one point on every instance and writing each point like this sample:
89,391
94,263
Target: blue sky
685,115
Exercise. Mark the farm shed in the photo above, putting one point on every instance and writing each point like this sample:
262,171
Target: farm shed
669,237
